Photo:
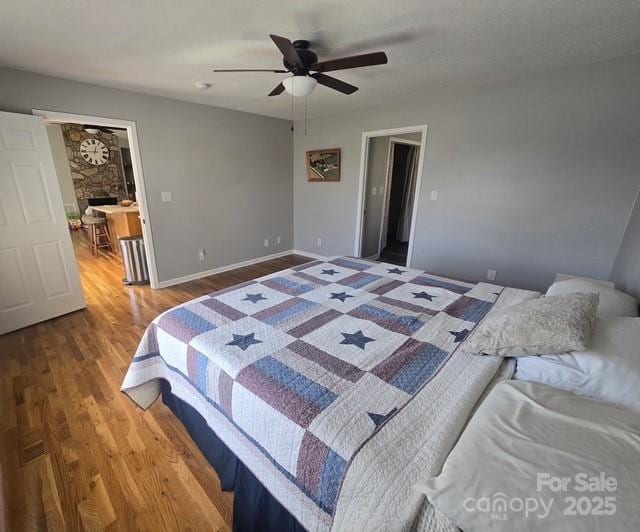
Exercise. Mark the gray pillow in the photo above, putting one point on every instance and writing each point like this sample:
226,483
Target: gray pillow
548,325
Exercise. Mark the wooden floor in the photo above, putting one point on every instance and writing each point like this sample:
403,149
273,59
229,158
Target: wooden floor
75,453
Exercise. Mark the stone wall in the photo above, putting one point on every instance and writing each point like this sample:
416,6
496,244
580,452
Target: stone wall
91,181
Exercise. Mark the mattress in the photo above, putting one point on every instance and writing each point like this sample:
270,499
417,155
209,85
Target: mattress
336,382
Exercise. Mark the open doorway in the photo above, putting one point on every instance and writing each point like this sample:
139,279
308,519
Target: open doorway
100,178
390,177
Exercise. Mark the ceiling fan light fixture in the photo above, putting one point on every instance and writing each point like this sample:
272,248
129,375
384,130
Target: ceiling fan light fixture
299,86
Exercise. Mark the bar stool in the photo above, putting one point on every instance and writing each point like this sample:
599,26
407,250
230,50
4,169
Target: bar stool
99,234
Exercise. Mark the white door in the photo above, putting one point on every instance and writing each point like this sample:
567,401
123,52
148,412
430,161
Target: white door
38,273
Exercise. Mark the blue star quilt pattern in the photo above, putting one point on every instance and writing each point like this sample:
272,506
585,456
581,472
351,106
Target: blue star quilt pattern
304,367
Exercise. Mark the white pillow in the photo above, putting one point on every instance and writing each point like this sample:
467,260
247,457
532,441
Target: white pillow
609,370
612,302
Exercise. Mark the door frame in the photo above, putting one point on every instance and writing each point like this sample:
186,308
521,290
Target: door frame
55,117
362,182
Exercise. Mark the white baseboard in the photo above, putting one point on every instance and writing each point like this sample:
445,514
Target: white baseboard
222,269
308,254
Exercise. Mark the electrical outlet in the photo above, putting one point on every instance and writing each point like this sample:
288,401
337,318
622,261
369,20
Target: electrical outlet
278,240
319,242
266,242
434,195
491,275
201,254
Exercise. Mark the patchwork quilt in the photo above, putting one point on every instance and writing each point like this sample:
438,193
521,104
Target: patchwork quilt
336,382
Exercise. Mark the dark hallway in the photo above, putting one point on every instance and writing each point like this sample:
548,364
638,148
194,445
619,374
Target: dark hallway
395,251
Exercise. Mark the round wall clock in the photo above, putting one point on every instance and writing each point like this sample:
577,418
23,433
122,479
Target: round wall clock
94,151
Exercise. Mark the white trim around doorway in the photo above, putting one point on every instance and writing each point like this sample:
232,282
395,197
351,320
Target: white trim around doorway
364,157
56,117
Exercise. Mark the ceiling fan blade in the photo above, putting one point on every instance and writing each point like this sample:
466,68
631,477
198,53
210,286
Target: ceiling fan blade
277,90
354,61
335,84
288,51
249,70
99,128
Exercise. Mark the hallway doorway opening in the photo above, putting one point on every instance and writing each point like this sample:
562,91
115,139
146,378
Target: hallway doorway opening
391,170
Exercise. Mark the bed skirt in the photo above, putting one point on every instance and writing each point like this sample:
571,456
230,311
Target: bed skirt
254,508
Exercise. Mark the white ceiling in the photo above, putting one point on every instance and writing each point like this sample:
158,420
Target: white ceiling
164,46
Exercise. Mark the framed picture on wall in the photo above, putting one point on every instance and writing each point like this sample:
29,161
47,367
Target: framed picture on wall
323,165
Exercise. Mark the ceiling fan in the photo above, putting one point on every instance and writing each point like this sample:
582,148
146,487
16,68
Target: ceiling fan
96,129
302,62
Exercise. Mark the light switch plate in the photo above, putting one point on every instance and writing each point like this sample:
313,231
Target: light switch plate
434,195
166,196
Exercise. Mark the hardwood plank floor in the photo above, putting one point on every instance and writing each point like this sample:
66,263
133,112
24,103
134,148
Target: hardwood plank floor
75,453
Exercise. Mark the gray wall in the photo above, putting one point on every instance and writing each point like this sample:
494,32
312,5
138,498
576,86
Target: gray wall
229,172
534,176
626,270
377,167
63,171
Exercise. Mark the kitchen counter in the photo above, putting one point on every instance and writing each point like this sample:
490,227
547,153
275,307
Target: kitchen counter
115,209
122,221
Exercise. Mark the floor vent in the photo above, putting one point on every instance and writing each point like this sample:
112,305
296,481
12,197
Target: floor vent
33,451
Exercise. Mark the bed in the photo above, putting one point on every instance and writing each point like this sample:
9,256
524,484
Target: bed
322,393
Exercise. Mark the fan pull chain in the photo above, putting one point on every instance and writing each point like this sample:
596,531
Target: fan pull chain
305,116
292,113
